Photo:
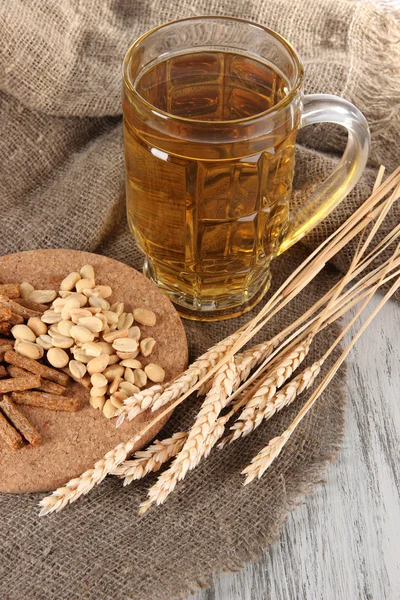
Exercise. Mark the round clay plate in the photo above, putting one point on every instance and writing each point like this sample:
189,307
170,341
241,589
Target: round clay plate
72,442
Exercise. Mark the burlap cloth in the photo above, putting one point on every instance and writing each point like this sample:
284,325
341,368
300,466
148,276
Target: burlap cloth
61,185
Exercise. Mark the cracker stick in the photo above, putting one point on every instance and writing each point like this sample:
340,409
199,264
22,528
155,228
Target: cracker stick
9,434
20,422
3,371
26,303
45,386
5,328
35,367
19,384
44,400
4,348
5,313
15,319
11,290
18,308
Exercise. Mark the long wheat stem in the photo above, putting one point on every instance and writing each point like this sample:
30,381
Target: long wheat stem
267,455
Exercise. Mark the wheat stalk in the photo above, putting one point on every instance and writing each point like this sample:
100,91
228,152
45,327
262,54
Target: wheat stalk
151,459
369,211
267,455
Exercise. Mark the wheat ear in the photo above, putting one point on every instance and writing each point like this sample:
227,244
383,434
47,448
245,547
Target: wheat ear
276,378
151,459
198,440
83,484
279,400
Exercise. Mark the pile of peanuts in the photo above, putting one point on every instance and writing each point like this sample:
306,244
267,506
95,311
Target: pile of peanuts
83,333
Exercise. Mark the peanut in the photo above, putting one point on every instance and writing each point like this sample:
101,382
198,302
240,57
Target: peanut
106,348
42,296
79,313
129,387
26,289
81,334
147,345
118,307
98,391
155,373
140,378
29,350
50,317
57,358
94,324
99,303
45,341
114,335
98,380
64,327
80,355
118,398
129,375
126,355
109,411
84,284
98,364
125,321
87,272
53,330
131,363
69,282
112,318
80,297
145,316
97,402
23,332
92,349
114,359
125,345
62,341
134,333
101,291
114,385
77,369
71,304
110,373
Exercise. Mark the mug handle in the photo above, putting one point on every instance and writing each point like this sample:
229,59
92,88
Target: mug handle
325,108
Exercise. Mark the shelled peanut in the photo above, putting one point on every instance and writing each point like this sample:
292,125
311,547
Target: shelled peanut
83,332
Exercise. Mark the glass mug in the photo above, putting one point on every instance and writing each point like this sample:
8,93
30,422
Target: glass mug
211,109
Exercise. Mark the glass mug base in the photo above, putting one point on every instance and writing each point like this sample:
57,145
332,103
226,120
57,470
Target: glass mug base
211,309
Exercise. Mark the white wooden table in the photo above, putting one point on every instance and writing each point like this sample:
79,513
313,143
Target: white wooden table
343,543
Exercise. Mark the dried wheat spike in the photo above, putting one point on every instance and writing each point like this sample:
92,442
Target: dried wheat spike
88,480
263,459
151,459
199,440
280,373
138,403
279,400
196,371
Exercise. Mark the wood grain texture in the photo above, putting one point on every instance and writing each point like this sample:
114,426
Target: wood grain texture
343,543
